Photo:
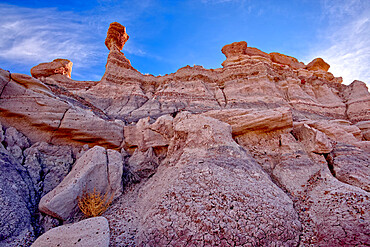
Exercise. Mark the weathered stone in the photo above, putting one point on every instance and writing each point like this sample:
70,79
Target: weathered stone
115,170
96,169
183,200
145,135
16,142
243,121
15,138
1,133
314,140
252,51
340,131
116,36
234,49
318,64
287,60
18,201
89,232
318,196
57,66
351,165
364,126
4,79
204,181
357,99
31,83
37,112
47,165
86,127
143,164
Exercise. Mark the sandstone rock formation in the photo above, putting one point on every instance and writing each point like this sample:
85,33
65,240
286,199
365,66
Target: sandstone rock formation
212,192
98,169
32,107
57,66
89,232
116,36
287,60
264,151
317,64
234,49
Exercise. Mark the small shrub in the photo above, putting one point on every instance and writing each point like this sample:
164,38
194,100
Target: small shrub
94,203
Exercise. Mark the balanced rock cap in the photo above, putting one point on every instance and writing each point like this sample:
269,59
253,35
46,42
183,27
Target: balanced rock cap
234,49
57,66
116,36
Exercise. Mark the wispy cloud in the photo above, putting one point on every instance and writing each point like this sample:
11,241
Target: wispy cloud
30,36
345,42
38,35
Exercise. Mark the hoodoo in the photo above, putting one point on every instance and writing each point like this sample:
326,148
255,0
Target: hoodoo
263,151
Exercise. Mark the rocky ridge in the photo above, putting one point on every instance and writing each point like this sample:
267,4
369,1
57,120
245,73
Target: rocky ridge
264,151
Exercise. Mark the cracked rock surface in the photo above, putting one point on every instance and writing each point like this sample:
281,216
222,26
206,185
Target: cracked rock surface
263,151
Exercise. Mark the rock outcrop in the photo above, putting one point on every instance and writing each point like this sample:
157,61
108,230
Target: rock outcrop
57,66
18,202
318,64
97,169
264,151
89,232
32,107
116,36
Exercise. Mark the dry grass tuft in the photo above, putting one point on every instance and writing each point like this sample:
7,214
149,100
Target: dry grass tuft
94,204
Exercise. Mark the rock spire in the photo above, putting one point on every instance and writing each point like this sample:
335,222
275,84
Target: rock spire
116,36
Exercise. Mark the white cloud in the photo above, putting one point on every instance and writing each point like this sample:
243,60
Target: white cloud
31,36
345,42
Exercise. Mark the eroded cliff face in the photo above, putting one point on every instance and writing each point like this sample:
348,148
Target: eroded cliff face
264,151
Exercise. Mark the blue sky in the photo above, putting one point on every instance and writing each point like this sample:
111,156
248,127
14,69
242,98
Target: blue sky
167,35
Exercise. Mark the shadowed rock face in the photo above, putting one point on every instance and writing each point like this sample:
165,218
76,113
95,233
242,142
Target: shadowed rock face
264,151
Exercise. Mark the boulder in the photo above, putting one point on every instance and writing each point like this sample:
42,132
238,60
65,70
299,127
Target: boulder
96,169
47,165
234,49
318,64
143,164
287,60
144,135
57,66
88,232
116,36
313,140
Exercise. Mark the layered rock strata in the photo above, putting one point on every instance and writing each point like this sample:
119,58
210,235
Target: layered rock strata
265,151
